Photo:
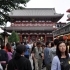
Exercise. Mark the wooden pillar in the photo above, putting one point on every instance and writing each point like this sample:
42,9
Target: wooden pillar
6,40
36,38
21,37
28,38
45,38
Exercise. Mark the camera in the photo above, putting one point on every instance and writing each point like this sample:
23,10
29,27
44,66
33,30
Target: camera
40,55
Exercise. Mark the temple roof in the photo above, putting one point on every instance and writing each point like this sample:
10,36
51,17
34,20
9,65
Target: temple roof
35,12
31,28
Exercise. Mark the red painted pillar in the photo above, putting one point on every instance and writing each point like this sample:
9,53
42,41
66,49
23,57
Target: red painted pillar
37,37
20,37
28,38
45,38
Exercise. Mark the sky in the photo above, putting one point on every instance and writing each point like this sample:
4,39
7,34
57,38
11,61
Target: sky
61,6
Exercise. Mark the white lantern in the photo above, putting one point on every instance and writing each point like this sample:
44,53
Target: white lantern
68,15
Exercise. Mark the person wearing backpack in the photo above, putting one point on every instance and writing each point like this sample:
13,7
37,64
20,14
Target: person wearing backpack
19,62
62,60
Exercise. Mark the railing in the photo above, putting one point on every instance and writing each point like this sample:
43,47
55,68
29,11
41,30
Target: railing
33,24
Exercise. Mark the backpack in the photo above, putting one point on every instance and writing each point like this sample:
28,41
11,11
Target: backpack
65,65
1,68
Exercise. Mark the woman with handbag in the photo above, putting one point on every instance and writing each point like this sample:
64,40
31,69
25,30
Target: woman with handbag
62,60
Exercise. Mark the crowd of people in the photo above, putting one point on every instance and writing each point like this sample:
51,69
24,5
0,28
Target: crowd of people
52,55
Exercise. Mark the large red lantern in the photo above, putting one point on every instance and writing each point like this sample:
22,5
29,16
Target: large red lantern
64,37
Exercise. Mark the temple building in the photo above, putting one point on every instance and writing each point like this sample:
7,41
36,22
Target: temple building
34,24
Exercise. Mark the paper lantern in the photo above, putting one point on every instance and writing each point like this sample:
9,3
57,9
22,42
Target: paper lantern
64,37
68,36
68,15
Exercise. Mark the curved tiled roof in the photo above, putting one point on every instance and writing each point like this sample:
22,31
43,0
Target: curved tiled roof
31,28
35,12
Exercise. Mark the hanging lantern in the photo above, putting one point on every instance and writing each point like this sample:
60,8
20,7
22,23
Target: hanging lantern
64,37
41,37
25,37
68,15
69,36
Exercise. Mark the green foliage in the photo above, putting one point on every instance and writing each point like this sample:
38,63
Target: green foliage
6,6
14,37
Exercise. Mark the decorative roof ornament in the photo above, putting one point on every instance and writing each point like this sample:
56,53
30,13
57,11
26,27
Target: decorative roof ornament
68,16
68,10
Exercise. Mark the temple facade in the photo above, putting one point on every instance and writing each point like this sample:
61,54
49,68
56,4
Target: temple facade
35,24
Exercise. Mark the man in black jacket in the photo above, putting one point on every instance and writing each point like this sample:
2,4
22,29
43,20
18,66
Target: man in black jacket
19,62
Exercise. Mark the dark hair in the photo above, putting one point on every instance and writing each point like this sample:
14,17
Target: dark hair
34,44
52,44
8,47
58,53
12,44
19,50
2,46
18,43
47,43
38,43
56,41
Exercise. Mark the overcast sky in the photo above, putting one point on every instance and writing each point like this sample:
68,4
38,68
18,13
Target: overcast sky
60,6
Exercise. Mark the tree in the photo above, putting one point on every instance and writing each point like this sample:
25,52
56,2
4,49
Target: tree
6,6
14,37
